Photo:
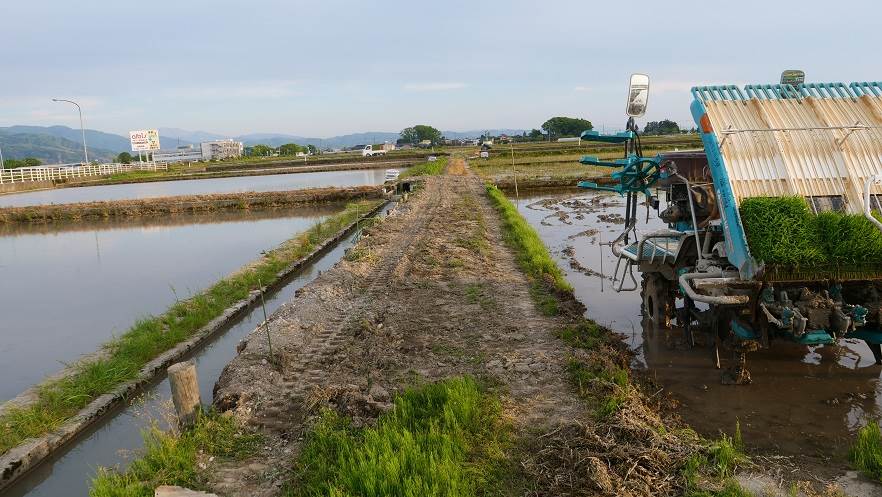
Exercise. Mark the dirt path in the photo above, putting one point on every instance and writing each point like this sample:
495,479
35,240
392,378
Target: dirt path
431,293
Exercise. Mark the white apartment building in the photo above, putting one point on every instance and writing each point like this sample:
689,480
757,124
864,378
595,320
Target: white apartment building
222,149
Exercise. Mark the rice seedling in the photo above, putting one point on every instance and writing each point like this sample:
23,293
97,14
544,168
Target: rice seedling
783,231
849,238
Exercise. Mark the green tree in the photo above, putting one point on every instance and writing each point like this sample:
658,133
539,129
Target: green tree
124,158
26,162
663,127
535,135
312,149
420,132
261,150
290,149
557,127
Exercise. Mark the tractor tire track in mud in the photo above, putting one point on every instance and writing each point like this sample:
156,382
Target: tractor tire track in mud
432,292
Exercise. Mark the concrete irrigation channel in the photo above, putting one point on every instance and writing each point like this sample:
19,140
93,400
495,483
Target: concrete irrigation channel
19,461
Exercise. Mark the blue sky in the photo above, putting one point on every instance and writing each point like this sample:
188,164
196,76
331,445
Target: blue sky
333,67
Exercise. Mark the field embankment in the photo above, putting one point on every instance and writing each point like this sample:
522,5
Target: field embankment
188,204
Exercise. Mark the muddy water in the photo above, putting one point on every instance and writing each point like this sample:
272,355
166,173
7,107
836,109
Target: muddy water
804,402
63,293
275,182
111,444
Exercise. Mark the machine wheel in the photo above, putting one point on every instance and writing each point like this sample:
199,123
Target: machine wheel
876,349
658,304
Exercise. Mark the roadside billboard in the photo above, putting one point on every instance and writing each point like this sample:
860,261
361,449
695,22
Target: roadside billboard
145,140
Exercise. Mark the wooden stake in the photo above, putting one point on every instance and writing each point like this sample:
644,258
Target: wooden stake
185,391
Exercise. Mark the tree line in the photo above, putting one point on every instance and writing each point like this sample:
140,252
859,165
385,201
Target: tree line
552,129
16,163
287,149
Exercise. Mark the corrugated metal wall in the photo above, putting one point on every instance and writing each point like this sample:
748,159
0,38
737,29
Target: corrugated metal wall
818,140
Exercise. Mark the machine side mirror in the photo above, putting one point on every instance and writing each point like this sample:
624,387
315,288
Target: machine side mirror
638,95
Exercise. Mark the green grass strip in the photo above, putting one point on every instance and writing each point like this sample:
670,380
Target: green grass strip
532,255
426,169
60,399
441,439
866,453
172,459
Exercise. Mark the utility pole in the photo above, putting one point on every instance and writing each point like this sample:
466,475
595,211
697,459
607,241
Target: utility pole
82,128
2,163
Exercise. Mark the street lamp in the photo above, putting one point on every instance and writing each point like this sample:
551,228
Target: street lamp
83,129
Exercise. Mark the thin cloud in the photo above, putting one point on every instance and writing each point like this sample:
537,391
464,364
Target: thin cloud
683,87
438,86
583,88
267,89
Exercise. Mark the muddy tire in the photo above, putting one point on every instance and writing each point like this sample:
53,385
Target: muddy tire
657,304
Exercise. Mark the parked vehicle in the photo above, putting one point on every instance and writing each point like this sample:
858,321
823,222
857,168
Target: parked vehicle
817,141
370,151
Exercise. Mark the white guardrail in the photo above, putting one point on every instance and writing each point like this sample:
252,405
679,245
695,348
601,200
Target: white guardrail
49,173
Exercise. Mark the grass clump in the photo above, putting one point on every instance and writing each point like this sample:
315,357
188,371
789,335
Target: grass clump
604,383
784,231
426,169
718,460
585,334
171,458
58,400
531,253
608,386
441,439
866,453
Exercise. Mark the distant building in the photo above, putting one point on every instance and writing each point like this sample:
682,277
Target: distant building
219,150
222,149
188,153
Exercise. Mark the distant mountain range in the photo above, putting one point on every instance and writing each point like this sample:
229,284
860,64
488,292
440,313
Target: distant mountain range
276,139
58,144
61,144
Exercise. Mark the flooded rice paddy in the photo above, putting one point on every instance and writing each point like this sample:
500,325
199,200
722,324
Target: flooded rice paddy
805,402
68,288
114,441
274,182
